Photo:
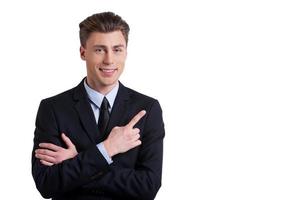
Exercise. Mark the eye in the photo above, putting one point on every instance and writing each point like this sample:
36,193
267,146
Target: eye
118,50
99,50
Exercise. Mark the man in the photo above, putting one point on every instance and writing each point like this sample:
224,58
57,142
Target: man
99,140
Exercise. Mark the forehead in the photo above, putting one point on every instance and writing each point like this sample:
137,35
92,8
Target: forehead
107,39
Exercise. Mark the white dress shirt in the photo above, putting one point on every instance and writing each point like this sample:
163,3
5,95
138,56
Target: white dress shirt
95,102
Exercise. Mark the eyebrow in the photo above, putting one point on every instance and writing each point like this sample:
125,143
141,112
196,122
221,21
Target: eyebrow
105,47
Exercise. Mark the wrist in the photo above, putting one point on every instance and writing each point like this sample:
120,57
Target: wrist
108,147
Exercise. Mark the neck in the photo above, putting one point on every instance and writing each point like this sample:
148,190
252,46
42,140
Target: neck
101,88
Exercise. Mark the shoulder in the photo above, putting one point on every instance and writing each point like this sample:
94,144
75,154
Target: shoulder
61,96
142,101
62,99
76,93
137,97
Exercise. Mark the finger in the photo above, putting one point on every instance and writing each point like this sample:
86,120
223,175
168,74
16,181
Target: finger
136,119
50,146
46,163
67,141
136,137
136,131
45,157
45,152
136,143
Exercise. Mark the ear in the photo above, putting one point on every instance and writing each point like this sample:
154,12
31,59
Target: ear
82,52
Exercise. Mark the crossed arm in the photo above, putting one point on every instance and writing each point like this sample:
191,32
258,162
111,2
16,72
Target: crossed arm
71,169
120,140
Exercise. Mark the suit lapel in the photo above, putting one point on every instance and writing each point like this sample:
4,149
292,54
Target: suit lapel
85,112
86,115
119,109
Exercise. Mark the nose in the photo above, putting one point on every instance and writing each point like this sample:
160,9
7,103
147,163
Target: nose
108,59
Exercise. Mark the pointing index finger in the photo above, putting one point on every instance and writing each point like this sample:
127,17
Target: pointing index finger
136,119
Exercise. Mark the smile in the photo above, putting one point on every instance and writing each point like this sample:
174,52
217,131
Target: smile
107,72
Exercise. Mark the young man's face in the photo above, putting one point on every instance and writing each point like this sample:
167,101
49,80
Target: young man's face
105,55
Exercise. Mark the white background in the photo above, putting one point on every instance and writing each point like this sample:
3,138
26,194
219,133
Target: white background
227,75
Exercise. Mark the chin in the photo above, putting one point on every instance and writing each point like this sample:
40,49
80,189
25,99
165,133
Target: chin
109,83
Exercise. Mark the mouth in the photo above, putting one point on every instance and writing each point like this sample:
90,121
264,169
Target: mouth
107,71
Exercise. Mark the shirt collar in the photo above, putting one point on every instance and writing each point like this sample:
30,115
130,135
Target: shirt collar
96,97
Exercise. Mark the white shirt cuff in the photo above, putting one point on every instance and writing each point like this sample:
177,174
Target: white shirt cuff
104,152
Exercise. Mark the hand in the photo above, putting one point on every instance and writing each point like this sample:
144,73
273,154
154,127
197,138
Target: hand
122,139
50,154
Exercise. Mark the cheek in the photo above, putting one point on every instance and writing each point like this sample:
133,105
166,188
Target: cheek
121,61
93,61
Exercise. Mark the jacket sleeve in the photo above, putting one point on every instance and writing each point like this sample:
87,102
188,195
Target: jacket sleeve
71,173
144,181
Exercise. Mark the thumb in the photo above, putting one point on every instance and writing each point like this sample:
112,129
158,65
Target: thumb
67,141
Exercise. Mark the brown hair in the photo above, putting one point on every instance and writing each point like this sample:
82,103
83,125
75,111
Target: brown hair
104,22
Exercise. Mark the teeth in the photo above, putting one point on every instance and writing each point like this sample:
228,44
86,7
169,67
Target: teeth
107,70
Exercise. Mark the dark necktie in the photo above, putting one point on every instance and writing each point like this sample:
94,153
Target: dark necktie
104,116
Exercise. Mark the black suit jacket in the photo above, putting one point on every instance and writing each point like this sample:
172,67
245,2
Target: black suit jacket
135,174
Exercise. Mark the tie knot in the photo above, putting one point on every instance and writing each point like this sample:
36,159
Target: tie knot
105,104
